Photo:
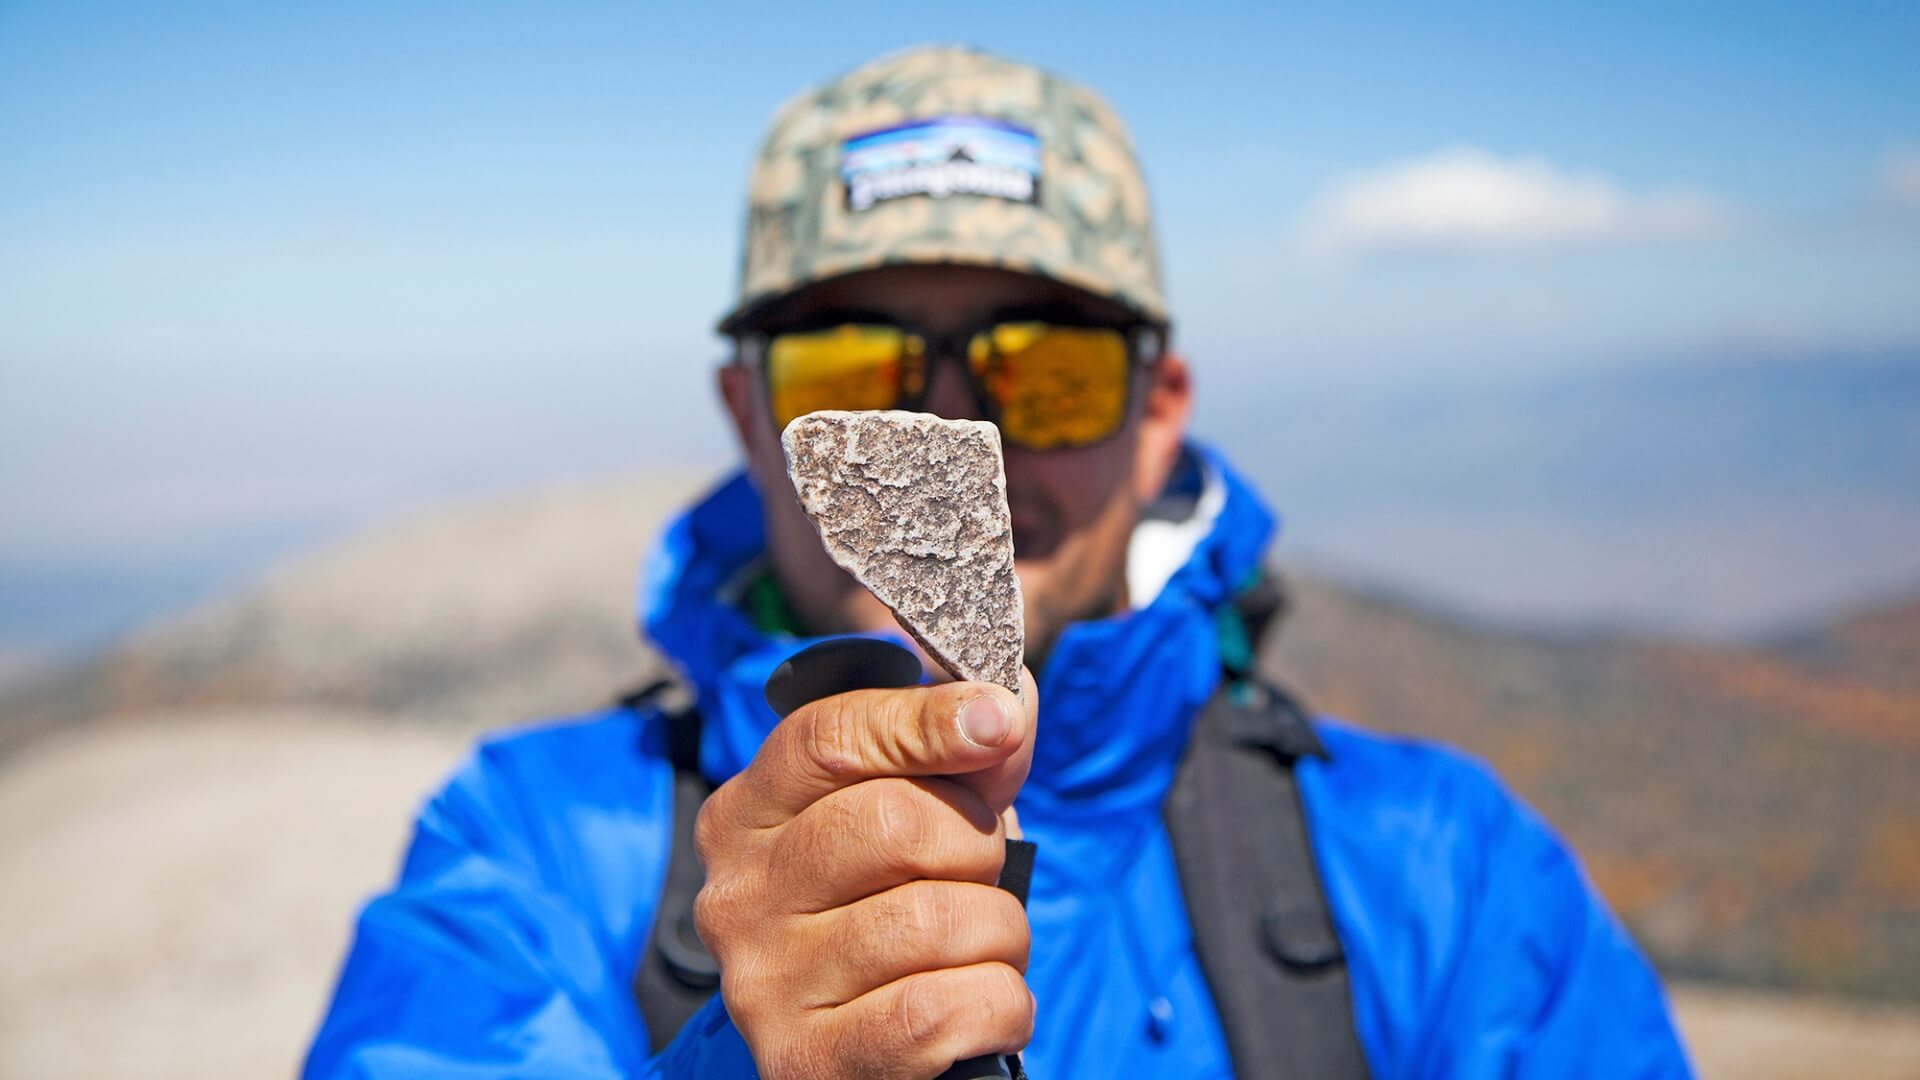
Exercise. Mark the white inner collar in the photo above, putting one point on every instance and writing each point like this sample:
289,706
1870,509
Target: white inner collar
1161,546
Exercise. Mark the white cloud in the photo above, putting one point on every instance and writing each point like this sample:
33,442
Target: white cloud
1900,176
1467,198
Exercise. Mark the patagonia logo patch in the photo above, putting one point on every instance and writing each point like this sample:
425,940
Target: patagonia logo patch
946,155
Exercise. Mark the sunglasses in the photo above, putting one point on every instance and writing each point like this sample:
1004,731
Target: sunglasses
1046,385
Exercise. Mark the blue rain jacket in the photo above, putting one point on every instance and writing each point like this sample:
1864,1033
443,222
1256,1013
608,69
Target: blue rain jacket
1476,947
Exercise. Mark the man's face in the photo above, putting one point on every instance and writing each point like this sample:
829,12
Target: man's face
1073,509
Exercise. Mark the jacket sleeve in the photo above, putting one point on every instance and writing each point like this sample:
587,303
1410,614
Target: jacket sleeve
1544,981
493,955
1476,947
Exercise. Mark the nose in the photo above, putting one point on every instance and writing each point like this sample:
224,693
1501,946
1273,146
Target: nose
948,395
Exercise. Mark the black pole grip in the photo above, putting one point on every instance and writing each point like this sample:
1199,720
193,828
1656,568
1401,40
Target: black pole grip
838,665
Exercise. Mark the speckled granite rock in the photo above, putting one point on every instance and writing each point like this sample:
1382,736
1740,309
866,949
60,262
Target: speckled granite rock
915,507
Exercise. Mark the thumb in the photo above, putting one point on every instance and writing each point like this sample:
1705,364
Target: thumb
999,782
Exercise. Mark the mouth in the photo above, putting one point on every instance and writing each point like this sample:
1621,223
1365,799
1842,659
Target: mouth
1035,531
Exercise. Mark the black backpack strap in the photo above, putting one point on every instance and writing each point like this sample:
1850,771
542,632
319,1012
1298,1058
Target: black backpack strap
676,974
1261,927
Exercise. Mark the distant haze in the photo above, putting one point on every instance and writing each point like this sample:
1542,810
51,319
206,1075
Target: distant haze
1717,498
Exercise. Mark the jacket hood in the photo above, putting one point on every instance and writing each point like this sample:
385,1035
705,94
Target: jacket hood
1116,694
1473,943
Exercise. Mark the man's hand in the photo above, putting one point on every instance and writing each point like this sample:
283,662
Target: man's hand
850,896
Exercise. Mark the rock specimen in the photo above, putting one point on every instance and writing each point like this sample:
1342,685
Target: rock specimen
915,508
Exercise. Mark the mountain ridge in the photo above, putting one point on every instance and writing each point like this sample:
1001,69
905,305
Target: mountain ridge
1746,810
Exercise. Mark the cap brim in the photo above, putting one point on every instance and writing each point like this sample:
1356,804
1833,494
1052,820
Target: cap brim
944,253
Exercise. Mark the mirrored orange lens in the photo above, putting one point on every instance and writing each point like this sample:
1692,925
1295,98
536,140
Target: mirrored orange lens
1054,386
844,367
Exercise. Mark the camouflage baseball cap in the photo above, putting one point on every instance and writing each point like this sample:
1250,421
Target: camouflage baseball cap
948,155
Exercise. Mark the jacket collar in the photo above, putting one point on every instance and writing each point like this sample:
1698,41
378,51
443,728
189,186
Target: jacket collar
1117,695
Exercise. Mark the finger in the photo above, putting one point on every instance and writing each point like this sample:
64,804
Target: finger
952,730
867,838
918,1026
919,926
999,783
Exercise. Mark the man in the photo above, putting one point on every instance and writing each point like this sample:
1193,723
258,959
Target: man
948,231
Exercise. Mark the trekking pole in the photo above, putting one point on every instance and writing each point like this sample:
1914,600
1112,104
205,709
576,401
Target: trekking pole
838,665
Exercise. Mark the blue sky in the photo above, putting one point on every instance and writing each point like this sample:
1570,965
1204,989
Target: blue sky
266,269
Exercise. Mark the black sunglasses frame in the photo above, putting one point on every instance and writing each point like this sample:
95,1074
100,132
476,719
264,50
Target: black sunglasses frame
1145,343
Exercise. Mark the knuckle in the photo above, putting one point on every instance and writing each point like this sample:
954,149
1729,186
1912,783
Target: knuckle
830,739
933,726
901,828
719,908
711,828
918,1015
807,850
1016,934
930,911
740,990
756,993
706,831
709,915
787,1041
1013,1003
911,721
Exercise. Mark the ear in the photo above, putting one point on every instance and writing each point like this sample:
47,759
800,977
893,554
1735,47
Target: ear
736,385
1166,407
760,447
